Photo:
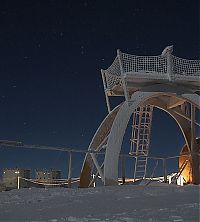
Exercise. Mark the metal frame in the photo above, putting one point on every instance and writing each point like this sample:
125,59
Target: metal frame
164,81
120,124
70,180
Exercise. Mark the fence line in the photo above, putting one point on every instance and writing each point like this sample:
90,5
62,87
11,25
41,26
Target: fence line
69,179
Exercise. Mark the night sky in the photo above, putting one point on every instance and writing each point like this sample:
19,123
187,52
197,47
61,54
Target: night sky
51,53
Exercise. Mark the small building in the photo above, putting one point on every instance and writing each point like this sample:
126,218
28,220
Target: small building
2,187
10,177
48,176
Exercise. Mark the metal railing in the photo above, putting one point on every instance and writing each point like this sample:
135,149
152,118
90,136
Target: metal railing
165,66
69,181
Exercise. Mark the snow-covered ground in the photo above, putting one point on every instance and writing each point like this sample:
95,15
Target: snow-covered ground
154,202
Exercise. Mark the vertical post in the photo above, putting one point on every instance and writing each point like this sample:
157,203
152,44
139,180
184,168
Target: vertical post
169,66
123,169
93,177
192,127
165,170
167,52
69,169
105,90
97,166
122,75
195,159
18,182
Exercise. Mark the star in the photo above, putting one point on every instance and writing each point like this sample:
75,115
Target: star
85,4
82,50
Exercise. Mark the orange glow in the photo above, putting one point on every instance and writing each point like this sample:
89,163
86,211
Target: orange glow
187,172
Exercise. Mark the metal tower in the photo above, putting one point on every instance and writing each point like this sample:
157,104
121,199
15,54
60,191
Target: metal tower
166,82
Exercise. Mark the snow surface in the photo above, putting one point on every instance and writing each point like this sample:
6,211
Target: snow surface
154,202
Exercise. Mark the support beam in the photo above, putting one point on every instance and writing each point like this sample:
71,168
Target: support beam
165,170
95,176
105,90
18,182
69,169
194,150
126,94
95,144
123,168
121,121
97,166
180,113
174,102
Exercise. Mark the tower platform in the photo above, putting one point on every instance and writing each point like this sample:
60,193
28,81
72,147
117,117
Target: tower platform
129,73
166,82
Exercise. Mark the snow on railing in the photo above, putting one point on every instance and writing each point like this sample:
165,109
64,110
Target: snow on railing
113,74
144,64
185,67
165,66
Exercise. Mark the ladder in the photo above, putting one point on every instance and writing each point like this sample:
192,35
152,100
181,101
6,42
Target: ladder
140,139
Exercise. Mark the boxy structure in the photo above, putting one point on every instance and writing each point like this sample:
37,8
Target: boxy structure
48,176
10,177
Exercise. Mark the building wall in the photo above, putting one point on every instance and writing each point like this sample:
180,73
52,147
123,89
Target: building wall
10,177
46,176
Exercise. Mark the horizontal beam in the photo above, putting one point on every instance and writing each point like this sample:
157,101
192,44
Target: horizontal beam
51,148
73,150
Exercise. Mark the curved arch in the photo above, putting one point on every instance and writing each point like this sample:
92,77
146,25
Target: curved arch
120,124
98,140
183,123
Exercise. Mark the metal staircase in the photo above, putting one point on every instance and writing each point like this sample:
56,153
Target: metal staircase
141,129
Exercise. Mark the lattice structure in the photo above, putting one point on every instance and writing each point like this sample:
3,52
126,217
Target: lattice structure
131,73
185,67
146,64
164,81
113,74
166,67
140,141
